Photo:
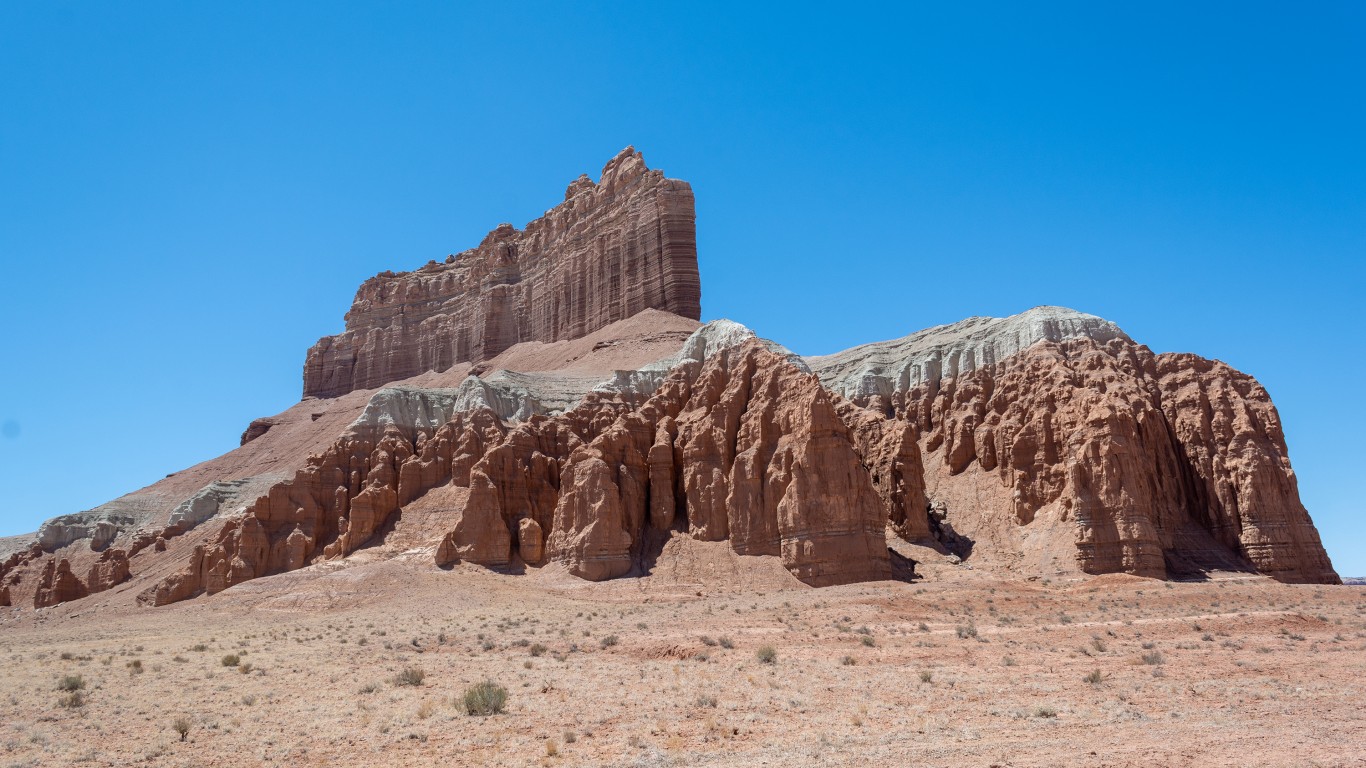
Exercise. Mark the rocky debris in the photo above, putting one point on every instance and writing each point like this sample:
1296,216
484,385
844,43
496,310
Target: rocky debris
608,251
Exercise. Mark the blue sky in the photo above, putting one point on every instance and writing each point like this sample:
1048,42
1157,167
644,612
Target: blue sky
193,191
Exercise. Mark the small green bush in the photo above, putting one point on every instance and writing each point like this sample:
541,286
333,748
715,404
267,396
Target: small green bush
231,660
486,698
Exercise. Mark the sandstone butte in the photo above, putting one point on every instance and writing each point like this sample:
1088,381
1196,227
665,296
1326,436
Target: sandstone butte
549,399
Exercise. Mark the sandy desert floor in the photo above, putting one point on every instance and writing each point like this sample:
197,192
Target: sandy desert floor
960,668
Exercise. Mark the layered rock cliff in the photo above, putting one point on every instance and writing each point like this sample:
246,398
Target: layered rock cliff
549,398
741,445
1155,465
609,251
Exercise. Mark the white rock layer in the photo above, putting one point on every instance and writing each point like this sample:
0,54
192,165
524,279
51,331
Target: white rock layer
943,352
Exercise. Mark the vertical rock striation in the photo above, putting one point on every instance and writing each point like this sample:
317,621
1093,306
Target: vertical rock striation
1159,464
610,250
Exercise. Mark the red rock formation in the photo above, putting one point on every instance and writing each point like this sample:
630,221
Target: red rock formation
58,584
891,454
109,571
1151,458
745,447
1246,494
607,252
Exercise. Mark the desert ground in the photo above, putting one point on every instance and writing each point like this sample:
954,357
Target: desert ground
366,663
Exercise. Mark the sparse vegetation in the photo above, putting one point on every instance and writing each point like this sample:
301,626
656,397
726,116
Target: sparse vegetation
181,725
484,699
231,660
767,654
71,683
410,676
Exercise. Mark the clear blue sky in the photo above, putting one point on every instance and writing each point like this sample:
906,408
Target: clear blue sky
192,191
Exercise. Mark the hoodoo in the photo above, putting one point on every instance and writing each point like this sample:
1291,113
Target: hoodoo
551,398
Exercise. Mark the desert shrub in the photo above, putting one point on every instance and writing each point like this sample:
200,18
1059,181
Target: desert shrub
868,641
767,654
725,642
706,701
200,648
181,725
848,661
72,700
410,676
231,660
71,683
1045,712
1093,677
1154,658
926,676
708,641
609,641
537,649
966,630
486,698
